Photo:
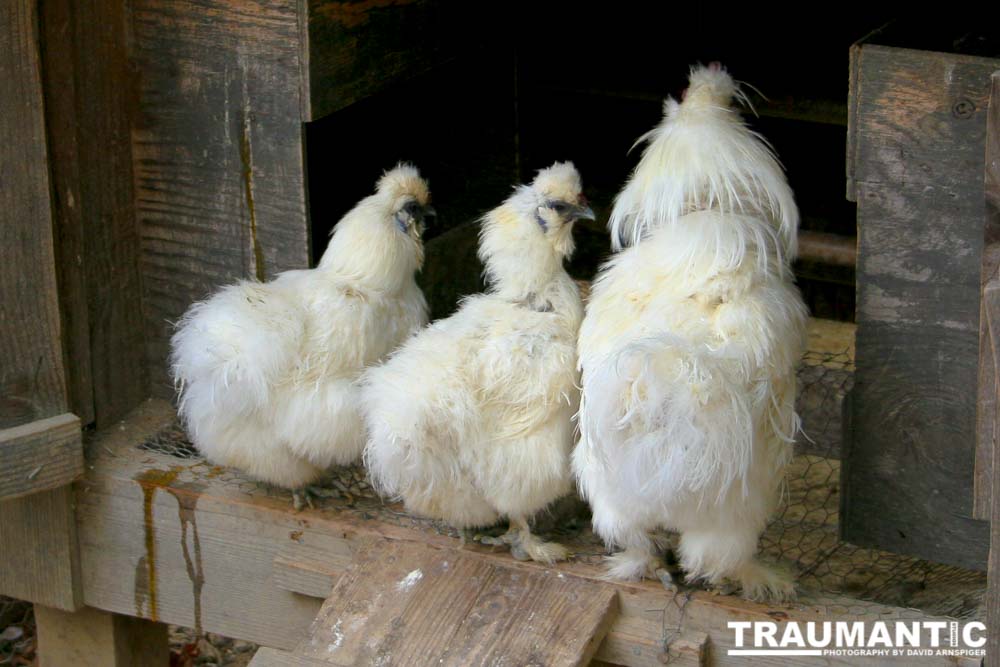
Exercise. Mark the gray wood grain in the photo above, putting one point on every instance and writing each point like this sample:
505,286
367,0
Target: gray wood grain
31,364
986,404
42,455
58,39
920,125
104,84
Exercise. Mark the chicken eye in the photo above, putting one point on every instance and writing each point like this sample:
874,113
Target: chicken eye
559,207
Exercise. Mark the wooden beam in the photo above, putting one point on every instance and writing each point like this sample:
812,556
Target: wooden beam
987,428
31,364
191,544
920,126
90,637
37,531
42,455
58,39
989,404
44,566
354,50
104,86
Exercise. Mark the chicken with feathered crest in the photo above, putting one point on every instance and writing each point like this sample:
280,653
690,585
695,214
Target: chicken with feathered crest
689,346
471,420
267,371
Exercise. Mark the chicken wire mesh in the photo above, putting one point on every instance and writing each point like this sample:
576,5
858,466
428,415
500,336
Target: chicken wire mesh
803,534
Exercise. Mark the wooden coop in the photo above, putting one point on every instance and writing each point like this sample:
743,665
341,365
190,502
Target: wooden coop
152,150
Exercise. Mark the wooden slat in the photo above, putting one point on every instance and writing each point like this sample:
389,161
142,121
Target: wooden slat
31,367
218,149
62,122
93,637
920,129
38,531
41,562
104,85
986,405
410,603
989,441
356,49
42,455
546,618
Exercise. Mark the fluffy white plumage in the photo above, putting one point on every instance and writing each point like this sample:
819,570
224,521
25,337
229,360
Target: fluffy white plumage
689,346
471,419
267,371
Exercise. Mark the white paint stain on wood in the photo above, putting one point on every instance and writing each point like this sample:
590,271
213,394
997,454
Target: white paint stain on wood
407,582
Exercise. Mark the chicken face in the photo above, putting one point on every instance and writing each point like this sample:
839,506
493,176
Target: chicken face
560,203
413,217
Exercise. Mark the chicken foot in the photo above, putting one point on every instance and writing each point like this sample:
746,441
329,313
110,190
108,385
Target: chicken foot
524,545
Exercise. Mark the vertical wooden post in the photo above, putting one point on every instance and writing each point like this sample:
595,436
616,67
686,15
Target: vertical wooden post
991,342
917,145
94,638
38,531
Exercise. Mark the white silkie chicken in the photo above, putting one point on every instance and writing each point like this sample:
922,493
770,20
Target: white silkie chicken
471,420
689,346
267,371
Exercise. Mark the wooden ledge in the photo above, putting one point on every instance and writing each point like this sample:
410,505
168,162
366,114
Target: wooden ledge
181,541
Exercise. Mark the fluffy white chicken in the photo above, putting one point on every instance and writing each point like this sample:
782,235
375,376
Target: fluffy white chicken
689,346
267,371
471,419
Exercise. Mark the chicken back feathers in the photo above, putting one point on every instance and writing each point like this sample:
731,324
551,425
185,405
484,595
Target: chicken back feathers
689,346
267,372
471,419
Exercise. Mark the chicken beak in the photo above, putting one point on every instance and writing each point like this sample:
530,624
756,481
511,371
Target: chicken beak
585,213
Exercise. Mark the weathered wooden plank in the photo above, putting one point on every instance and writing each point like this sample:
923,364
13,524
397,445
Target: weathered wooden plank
989,378
242,526
545,618
104,86
31,365
407,603
93,637
59,82
355,49
992,599
311,563
920,128
42,455
369,615
218,150
44,566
